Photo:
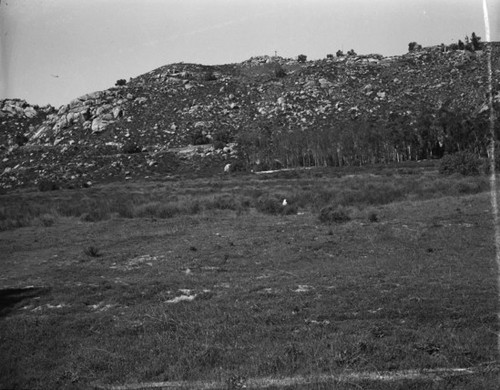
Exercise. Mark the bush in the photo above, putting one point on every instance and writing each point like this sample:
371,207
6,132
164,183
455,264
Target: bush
96,215
199,137
334,214
274,206
209,76
21,139
301,58
47,220
92,251
279,72
413,46
464,163
372,216
121,82
238,166
131,148
47,185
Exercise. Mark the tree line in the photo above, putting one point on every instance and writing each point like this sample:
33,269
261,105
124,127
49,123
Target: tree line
275,143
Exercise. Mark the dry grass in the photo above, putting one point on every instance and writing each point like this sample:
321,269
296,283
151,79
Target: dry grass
210,291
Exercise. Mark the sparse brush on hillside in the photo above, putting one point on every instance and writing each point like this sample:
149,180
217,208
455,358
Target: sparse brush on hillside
348,110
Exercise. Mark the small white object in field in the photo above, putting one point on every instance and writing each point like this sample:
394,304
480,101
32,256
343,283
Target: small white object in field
227,168
284,202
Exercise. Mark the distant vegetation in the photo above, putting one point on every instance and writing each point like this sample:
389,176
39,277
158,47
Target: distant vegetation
365,141
471,44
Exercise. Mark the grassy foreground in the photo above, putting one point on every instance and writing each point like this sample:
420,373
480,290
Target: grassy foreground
226,281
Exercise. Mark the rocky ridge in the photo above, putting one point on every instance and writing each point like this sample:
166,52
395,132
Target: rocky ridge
185,118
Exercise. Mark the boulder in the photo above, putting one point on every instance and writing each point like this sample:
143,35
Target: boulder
63,109
117,112
30,112
98,125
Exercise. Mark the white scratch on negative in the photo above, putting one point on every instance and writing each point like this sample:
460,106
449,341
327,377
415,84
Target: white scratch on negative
435,374
491,153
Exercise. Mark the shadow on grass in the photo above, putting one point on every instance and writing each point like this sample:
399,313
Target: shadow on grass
10,297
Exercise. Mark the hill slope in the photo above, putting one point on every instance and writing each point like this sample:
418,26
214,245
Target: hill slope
267,112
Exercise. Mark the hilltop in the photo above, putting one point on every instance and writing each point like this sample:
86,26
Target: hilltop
263,113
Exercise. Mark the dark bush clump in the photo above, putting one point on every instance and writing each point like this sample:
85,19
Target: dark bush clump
269,206
47,185
464,163
209,76
95,215
372,216
238,166
21,139
121,82
274,206
92,251
131,148
333,214
301,58
199,137
279,72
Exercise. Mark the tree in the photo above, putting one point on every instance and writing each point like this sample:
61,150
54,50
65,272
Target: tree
339,53
412,46
461,45
120,82
301,58
351,52
476,42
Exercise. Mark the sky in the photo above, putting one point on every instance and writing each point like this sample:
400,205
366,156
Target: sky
52,51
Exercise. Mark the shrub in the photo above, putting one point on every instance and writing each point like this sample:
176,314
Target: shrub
21,139
92,251
47,220
223,202
329,56
209,76
98,214
301,58
464,163
269,205
274,206
121,82
199,137
222,135
372,216
47,185
131,148
351,52
279,72
238,166
339,53
413,46
336,214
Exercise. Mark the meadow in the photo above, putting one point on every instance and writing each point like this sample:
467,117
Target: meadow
195,282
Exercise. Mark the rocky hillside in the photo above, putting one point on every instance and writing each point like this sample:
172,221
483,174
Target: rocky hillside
267,112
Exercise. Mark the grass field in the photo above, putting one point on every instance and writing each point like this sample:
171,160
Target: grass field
202,279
